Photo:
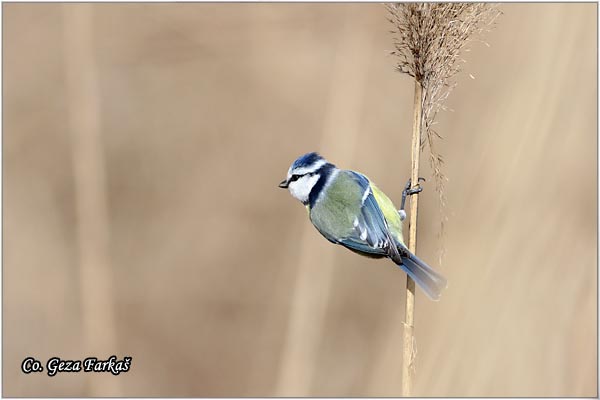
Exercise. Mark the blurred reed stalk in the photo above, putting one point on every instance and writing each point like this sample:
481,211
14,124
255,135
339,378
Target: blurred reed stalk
429,39
83,94
316,267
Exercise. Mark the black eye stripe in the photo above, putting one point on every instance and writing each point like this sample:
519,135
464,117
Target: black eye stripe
295,177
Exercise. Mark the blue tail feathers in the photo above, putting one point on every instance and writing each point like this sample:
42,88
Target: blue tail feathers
426,277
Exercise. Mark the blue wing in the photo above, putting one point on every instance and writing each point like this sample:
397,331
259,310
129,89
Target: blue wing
371,237
370,234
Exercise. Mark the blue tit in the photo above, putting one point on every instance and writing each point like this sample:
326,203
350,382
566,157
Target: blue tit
348,209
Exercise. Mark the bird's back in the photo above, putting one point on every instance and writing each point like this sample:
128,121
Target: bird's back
390,213
334,213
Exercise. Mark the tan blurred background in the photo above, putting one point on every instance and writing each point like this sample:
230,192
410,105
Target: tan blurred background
143,144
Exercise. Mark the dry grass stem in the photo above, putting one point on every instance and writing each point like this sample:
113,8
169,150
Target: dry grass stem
98,314
429,39
409,347
315,281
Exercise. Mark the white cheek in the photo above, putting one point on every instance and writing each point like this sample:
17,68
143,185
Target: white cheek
301,188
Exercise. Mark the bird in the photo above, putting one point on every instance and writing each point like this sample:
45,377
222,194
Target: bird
348,209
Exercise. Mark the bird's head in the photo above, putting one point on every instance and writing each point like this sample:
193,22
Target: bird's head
304,176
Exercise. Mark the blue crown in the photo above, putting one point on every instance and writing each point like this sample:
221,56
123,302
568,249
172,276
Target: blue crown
306,160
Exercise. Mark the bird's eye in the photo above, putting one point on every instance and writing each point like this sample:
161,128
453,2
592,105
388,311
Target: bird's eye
295,178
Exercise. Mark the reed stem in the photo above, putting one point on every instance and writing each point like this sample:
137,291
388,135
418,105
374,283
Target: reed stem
409,345
90,193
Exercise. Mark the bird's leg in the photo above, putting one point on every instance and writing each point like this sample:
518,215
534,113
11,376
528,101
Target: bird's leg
408,191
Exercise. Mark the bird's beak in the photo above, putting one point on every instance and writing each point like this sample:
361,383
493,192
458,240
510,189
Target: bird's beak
284,184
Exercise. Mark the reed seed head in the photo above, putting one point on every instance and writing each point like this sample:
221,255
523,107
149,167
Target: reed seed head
429,39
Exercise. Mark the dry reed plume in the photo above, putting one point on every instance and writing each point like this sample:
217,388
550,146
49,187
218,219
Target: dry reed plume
429,39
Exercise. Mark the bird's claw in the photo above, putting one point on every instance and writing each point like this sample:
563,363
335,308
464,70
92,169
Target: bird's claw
414,190
409,191
409,183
